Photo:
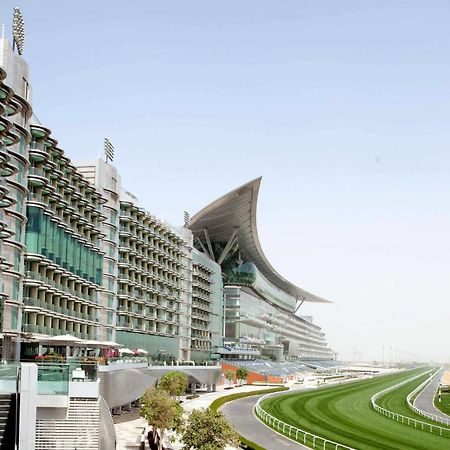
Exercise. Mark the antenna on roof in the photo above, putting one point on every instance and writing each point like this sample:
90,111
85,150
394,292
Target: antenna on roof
109,150
18,31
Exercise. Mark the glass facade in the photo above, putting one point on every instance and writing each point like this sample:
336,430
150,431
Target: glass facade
253,323
45,237
14,163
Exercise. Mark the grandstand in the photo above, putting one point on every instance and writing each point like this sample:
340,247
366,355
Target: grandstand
281,369
323,365
261,308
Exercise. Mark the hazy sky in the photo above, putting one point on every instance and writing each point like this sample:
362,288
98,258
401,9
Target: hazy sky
342,107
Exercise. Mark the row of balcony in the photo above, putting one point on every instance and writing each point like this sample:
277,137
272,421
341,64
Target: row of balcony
149,328
156,279
66,289
200,306
45,151
201,286
134,260
37,303
80,227
160,317
147,271
56,331
201,316
204,276
152,226
202,296
148,239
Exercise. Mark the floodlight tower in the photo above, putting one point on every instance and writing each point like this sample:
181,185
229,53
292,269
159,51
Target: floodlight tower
18,31
109,150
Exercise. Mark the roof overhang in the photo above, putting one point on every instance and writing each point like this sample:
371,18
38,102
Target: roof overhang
234,214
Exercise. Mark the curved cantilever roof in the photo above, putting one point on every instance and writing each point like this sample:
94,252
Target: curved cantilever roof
235,214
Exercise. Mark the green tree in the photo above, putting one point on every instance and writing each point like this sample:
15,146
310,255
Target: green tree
242,374
208,430
174,383
229,375
161,412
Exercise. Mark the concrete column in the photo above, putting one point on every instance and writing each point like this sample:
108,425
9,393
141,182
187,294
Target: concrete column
28,402
193,390
214,388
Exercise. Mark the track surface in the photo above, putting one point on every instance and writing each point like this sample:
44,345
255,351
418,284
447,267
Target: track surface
343,414
425,400
240,414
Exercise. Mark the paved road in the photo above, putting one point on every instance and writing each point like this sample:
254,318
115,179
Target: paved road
425,400
240,414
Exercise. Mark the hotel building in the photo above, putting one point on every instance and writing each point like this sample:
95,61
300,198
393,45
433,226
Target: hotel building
80,256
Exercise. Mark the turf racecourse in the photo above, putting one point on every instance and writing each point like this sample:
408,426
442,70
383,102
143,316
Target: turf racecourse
342,413
395,401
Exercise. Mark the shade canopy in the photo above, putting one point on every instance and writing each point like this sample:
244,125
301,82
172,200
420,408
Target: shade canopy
232,218
108,344
141,350
126,351
63,338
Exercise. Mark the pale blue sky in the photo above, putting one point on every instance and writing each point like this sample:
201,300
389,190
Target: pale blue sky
343,107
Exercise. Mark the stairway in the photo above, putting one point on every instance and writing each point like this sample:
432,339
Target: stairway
7,421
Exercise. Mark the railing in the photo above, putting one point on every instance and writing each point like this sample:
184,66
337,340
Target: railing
293,432
9,374
425,426
53,379
56,331
412,395
57,309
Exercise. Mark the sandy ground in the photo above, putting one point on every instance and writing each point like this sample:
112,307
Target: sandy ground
446,378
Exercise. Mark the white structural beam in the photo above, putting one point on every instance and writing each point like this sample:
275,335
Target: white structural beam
205,251
208,243
230,243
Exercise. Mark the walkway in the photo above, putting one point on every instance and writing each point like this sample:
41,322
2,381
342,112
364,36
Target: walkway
240,414
129,425
425,400
129,429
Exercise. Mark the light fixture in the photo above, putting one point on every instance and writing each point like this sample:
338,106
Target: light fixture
18,31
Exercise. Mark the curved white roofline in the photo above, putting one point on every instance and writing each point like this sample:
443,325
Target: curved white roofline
237,211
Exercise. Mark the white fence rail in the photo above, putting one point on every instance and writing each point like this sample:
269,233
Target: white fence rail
294,433
411,404
405,419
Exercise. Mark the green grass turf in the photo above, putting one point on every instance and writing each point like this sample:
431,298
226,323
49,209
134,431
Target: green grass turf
395,401
444,406
342,413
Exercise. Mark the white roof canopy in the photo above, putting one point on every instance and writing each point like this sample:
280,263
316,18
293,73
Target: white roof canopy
232,218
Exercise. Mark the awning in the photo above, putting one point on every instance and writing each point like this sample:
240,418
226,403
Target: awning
63,339
102,344
141,351
126,351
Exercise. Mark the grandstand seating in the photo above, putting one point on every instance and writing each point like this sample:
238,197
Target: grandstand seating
272,368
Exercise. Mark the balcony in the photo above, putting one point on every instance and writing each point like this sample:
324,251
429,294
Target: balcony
36,177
